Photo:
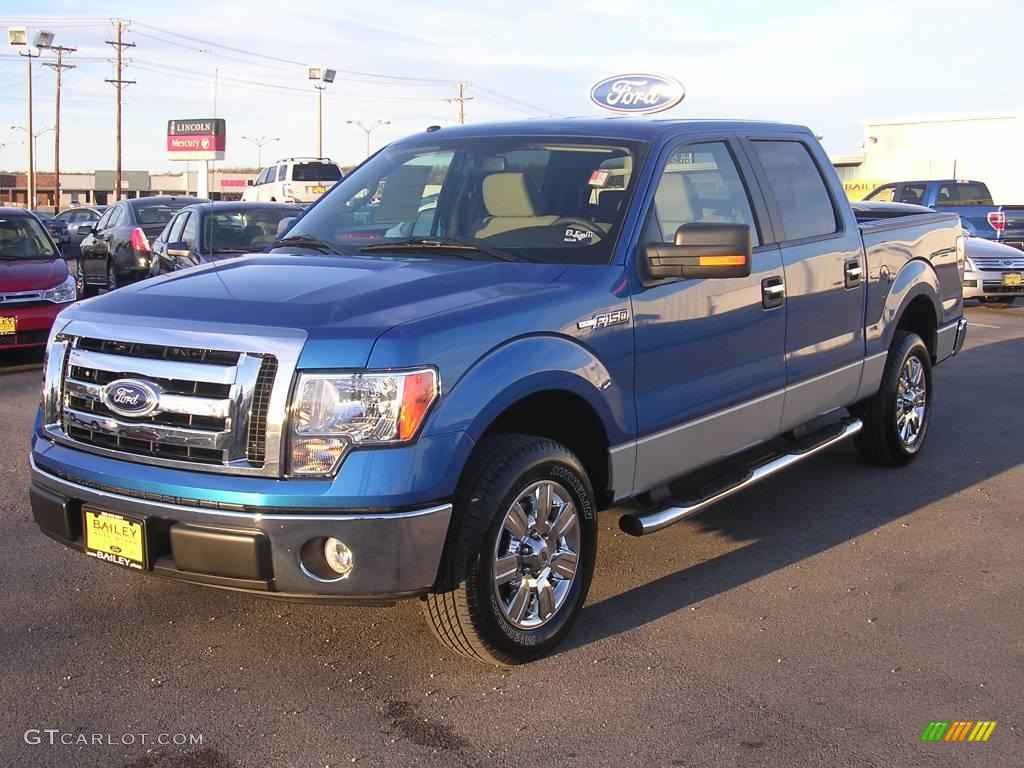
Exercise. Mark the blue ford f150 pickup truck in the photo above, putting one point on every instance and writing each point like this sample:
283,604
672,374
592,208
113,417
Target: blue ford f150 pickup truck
481,337
970,200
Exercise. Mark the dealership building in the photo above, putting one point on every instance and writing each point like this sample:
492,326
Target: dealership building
976,147
97,188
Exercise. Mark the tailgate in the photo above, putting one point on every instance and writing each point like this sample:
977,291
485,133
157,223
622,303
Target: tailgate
1013,231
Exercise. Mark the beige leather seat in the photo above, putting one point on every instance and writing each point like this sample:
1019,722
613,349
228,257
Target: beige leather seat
509,206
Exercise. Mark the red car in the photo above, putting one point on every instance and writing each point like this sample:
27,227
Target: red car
35,283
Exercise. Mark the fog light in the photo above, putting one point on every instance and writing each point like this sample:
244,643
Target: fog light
338,556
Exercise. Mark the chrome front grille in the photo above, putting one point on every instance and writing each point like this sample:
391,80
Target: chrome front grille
211,408
1011,262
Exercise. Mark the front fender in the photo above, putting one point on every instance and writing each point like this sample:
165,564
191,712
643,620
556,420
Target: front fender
916,278
526,366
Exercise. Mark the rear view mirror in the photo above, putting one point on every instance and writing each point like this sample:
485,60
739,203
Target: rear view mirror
284,223
84,229
701,251
178,250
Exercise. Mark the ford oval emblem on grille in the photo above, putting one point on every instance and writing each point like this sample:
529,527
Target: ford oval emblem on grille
131,397
638,94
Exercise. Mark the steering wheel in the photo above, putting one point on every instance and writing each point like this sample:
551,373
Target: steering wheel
581,224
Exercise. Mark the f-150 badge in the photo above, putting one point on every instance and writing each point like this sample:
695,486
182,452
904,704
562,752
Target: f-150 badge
604,319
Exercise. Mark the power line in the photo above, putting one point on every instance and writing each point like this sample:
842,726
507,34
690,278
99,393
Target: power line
461,100
59,66
119,84
291,61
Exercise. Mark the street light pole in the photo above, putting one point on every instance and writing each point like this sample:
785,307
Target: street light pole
322,77
368,129
259,141
17,37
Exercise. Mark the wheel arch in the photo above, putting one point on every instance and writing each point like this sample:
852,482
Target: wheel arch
913,305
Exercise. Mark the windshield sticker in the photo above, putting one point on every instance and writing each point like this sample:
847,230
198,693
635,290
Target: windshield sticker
599,178
578,236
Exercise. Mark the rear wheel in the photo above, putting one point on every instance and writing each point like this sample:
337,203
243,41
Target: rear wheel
896,419
520,556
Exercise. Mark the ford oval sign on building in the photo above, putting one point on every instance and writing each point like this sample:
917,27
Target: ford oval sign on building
637,94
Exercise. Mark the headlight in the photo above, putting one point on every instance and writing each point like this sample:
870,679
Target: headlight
970,264
332,412
63,293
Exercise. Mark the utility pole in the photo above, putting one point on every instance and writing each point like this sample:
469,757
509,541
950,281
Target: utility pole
58,67
30,197
119,83
461,100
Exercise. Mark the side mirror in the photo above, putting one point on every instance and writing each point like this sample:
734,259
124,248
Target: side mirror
701,251
85,229
249,183
284,223
178,250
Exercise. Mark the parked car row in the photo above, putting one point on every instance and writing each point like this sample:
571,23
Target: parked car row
136,239
128,241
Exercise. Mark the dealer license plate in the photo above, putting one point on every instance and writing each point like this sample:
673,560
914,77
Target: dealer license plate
1013,278
8,325
115,538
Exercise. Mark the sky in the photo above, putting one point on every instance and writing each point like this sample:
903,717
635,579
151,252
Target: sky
829,65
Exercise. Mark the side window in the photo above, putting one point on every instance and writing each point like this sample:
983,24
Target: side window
188,234
912,193
105,219
282,172
883,194
700,183
800,193
174,233
116,217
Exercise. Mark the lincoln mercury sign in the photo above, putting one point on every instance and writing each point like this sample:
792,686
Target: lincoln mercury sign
637,94
199,139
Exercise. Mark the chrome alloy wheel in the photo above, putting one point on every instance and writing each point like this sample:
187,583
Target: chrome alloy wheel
911,401
536,554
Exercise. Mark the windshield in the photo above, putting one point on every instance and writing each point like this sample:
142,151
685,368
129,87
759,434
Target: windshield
315,172
557,201
242,231
23,237
159,213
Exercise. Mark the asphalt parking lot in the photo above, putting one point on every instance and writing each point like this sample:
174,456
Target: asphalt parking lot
820,619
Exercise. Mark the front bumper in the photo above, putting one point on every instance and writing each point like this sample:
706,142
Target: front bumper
395,554
33,324
980,284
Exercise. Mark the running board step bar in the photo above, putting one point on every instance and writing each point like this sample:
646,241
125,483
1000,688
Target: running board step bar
652,520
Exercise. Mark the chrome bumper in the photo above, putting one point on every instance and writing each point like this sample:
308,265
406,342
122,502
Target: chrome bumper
395,555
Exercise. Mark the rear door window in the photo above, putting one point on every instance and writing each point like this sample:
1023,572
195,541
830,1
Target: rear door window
800,193
282,172
315,172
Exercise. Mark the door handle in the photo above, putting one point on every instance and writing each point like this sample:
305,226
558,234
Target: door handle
853,273
773,292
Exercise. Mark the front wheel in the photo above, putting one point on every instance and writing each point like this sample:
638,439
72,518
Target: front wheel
85,290
896,419
112,283
520,557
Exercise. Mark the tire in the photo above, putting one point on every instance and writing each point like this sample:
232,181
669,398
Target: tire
894,432
112,283
505,619
85,291
1001,301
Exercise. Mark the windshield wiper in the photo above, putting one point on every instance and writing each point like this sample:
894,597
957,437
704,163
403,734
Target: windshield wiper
305,241
438,244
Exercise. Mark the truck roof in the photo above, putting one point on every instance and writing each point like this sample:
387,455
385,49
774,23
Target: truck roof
618,127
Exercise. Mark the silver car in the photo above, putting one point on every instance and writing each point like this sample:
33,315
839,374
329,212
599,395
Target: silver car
994,272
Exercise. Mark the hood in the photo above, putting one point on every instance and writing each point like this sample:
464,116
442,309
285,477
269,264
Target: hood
976,247
351,299
31,274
